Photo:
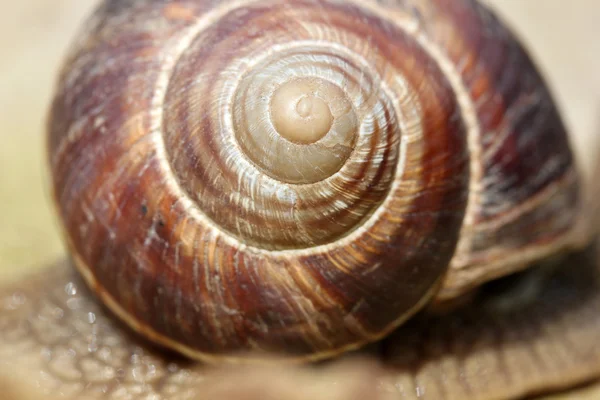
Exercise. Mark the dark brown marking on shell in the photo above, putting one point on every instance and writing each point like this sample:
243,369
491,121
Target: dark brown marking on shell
524,144
536,151
529,198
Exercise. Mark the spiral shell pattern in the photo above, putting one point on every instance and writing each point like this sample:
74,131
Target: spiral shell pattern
231,139
258,176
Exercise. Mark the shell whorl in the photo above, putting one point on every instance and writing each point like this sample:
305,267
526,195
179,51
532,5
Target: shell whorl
244,152
273,176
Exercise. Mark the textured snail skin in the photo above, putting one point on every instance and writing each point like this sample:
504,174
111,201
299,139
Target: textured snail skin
57,342
213,225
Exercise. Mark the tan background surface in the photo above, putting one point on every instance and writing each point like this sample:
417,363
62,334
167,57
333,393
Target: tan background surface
564,37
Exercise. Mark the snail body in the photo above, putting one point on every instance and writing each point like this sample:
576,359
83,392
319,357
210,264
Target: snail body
302,177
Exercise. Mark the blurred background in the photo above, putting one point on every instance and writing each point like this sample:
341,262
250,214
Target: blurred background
34,35
562,36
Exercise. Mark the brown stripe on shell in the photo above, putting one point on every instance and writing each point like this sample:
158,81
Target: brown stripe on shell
169,272
525,147
522,154
548,224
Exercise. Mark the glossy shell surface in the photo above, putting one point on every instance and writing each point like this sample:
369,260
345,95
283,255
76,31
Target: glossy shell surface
301,176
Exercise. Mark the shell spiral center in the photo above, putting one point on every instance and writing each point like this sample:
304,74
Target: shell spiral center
294,140
299,115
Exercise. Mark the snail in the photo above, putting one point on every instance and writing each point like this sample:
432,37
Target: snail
236,179
264,177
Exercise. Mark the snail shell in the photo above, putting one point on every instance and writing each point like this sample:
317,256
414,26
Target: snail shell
301,177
